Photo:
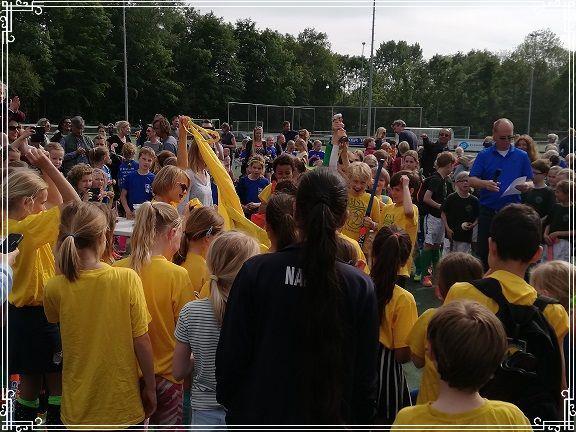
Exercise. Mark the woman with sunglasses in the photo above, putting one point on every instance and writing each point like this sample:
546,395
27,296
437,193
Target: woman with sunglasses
170,185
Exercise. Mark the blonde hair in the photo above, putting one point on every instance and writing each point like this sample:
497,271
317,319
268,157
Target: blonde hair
569,173
413,154
152,220
22,183
403,147
553,279
51,146
109,254
380,132
359,170
121,124
100,172
146,151
300,144
128,150
201,222
166,178
226,255
82,226
554,170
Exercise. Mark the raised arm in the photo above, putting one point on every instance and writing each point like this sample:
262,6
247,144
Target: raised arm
182,156
38,158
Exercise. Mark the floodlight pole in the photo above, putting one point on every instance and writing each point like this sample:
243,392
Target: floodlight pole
530,101
125,62
369,122
361,88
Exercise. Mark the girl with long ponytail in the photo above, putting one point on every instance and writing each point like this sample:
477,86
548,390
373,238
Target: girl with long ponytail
300,335
167,288
34,343
202,226
198,327
397,313
104,325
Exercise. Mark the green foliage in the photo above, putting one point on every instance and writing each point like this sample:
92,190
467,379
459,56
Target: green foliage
70,60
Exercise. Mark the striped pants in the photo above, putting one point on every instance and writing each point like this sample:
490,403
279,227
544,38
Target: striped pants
168,403
393,394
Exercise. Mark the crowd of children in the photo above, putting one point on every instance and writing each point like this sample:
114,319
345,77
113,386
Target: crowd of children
196,326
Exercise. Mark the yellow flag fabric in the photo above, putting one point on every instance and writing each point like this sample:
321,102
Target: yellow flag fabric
229,206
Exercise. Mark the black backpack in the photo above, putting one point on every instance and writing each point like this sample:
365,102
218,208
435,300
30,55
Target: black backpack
530,376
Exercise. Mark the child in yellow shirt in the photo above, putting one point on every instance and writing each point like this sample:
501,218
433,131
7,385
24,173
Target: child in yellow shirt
359,179
167,288
202,225
467,343
34,342
104,326
397,309
453,267
402,213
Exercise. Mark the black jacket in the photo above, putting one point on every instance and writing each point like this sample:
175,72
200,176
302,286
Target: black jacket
429,153
261,362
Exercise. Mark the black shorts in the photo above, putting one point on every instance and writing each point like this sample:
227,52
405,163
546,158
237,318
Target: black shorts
34,345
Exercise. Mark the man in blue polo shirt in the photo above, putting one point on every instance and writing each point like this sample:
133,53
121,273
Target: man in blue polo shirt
494,169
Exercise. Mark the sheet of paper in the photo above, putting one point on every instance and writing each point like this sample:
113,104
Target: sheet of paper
512,188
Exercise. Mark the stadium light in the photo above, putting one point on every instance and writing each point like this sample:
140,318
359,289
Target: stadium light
125,62
369,122
361,87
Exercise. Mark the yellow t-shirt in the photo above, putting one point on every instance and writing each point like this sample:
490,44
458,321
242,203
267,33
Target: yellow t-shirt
417,341
359,251
99,314
205,291
264,196
357,206
393,214
167,288
400,314
517,291
34,264
492,413
197,270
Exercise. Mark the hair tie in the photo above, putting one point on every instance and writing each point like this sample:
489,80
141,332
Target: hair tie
70,235
214,278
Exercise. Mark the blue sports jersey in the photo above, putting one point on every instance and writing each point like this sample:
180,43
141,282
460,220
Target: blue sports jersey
139,188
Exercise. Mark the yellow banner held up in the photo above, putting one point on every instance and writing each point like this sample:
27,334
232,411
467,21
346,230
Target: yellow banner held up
229,206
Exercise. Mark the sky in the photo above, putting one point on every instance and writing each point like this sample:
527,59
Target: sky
440,27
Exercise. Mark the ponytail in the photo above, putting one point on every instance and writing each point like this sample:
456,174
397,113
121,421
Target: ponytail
225,256
152,219
82,226
280,219
202,222
390,251
321,204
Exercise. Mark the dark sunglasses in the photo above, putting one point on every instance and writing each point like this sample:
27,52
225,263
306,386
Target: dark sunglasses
13,128
183,186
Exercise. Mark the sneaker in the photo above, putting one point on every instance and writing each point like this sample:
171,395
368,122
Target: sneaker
427,281
417,277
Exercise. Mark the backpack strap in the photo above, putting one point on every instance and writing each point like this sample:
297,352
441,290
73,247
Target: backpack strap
491,288
542,301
